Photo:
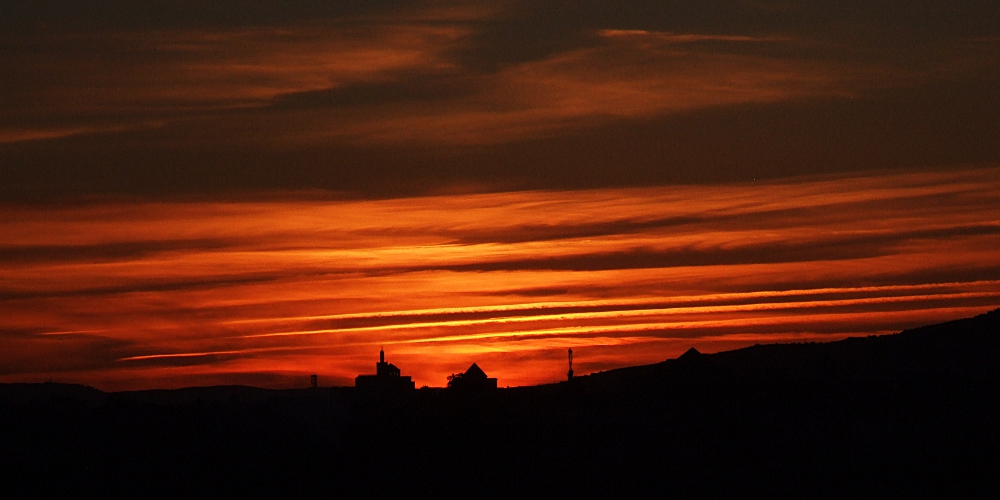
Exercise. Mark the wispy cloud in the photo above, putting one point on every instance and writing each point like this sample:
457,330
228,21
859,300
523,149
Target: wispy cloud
162,77
286,287
69,85
412,97
669,37
10,135
632,75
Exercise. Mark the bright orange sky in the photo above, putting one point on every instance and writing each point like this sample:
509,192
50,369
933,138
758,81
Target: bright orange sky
132,295
252,191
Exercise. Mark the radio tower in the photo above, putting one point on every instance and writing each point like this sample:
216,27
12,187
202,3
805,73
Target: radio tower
569,375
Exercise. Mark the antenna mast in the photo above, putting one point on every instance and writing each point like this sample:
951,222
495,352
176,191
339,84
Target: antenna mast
569,375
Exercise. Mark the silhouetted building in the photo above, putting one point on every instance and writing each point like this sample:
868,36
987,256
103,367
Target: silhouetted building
691,360
314,381
691,355
569,375
387,378
474,379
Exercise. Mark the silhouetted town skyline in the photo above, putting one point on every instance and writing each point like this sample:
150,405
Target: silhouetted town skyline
389,378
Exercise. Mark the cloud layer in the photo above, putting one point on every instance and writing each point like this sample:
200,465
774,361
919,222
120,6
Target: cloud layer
412,97
136,294
251,191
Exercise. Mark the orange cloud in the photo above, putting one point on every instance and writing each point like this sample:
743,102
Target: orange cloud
669,37
38,134
100,82
637,76
166,76
146,294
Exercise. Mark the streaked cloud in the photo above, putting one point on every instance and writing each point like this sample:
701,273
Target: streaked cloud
582,88
410,97
294,74
165,76
247,191
172,76
669,37
41,134
219,289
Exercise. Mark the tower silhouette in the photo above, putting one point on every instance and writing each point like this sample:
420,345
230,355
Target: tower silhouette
387,377
569,375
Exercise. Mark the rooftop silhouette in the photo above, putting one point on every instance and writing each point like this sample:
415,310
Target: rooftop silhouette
387,378
473,379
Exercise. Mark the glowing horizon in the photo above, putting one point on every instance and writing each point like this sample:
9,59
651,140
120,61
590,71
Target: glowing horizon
130,295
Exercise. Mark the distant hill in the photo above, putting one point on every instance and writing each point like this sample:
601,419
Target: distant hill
965,348
19,394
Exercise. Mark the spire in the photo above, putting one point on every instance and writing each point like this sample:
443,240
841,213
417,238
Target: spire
381,355
569,375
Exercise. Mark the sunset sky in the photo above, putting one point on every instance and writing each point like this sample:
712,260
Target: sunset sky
250,192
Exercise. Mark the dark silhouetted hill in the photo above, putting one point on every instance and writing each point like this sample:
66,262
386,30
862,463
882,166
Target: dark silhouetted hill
908,414
962,349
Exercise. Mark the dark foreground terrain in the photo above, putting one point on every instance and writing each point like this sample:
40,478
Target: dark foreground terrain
910,413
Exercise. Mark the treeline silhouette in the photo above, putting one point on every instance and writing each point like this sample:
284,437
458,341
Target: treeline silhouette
911,413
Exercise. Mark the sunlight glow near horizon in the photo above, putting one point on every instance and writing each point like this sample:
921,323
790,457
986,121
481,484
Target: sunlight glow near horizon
142,295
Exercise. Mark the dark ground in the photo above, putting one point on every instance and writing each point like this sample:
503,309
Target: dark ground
913,413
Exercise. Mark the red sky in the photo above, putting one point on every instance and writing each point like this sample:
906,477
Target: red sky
152,294
251,192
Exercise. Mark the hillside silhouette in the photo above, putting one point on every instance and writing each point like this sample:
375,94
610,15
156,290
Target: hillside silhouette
910,413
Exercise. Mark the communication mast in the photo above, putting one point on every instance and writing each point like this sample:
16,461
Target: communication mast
569,375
